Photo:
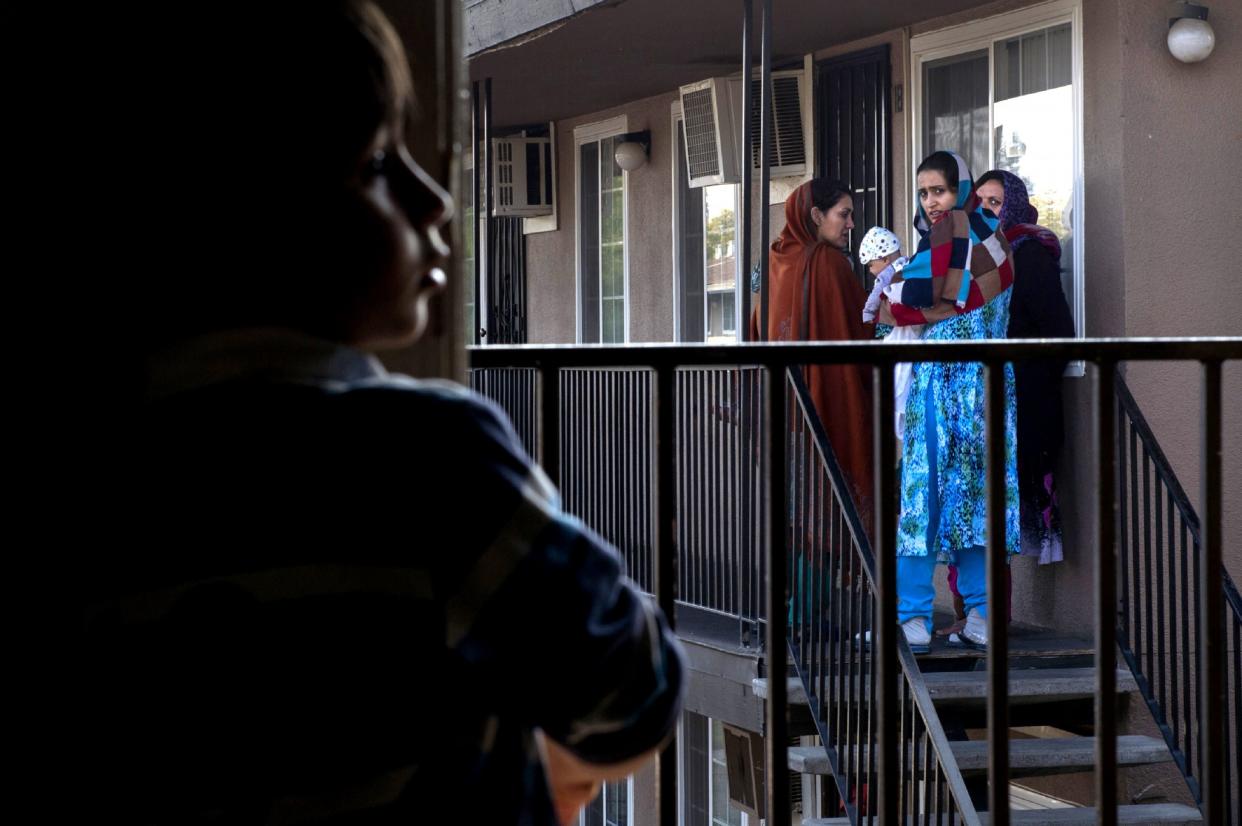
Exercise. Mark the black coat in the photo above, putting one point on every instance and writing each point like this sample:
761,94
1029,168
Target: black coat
1038,309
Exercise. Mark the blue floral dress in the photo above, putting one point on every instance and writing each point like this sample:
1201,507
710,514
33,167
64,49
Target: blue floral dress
958,397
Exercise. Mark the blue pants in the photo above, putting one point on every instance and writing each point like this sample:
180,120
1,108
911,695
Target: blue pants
916,591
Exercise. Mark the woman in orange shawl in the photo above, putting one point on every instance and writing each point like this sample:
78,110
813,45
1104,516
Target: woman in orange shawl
814,295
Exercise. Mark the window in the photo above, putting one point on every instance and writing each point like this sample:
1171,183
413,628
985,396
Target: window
705,250
469,228
602,310
1006,93
705,787
612,807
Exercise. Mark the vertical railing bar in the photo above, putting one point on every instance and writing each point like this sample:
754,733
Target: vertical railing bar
683,474
765,172
873,734
1126,604
776,742
1211,651
666,564
885,634
1194,725
1133,553
549,436
1148,601
748,17
1186,586
722,490
1159,690
1106,602
1171,585
998,614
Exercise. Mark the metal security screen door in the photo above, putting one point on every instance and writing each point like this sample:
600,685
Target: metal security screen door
854,135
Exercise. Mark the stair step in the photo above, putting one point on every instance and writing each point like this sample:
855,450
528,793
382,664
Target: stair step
1034,685
1027,757
1166,814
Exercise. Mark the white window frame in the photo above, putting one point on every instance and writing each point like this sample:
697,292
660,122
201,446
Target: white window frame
743,278
591,133
711,780
629,800
982,35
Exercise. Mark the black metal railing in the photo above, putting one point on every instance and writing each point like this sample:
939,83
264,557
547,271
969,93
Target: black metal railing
606,467
1159,627
514,391
886,664
833,612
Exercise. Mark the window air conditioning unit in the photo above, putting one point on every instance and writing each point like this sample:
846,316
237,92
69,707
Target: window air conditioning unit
787,137
711,143
522,177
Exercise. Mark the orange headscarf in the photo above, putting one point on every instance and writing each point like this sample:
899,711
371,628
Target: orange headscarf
814,295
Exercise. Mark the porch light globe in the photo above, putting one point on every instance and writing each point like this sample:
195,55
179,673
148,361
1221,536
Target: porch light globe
1191,40
630,155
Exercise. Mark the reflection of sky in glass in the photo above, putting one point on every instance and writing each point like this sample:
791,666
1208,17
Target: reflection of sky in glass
1035,141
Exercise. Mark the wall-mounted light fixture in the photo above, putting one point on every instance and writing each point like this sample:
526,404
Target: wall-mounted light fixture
632,149
1191,38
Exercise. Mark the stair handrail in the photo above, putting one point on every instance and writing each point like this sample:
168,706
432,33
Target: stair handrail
914,689
1128,408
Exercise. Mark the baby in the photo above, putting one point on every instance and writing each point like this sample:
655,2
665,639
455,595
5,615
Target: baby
881,252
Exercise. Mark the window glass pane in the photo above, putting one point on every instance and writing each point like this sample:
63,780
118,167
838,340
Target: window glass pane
715,315
722,813
690,262
588,239
1034,63
956,107
1060,56
469,328
1035,141
613,258
1008,69
697,763
614,321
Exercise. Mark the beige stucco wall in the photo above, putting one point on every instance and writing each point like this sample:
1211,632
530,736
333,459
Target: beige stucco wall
550,255
1157,133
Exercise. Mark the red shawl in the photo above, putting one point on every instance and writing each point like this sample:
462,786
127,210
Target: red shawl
814,295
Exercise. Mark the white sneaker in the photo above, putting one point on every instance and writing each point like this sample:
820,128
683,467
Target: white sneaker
917,634
976,630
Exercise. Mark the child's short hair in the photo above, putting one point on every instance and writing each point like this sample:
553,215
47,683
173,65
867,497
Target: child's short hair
877,243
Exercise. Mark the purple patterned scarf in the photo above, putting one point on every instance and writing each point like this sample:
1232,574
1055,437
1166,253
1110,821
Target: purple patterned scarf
1020,219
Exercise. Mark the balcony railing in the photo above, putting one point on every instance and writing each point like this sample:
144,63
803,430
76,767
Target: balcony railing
1160,623
897,755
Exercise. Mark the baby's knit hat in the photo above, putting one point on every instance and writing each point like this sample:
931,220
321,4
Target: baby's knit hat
877,243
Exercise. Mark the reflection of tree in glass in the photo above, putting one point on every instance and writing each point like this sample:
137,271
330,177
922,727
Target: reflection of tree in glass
719,234
1051,209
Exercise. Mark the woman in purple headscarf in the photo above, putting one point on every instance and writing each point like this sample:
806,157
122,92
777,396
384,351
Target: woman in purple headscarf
1038,309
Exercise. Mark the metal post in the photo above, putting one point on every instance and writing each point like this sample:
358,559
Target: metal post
765,174
475,134
1106,599
666,561
776,763
886,507
747,181
1212,651
549,422
484,249
998,607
